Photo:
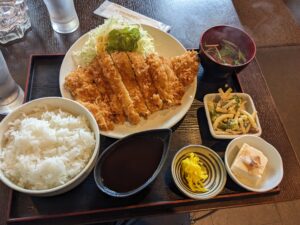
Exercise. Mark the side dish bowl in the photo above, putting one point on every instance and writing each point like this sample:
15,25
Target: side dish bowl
131,164
273,173
214,165
249,107
65,105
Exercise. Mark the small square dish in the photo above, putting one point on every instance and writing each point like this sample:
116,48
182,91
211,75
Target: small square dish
231,115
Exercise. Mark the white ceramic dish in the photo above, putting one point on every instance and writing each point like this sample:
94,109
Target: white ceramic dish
166,45
273,173
250,107
217,177
66,105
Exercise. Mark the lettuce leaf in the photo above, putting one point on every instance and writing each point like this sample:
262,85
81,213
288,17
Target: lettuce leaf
100,37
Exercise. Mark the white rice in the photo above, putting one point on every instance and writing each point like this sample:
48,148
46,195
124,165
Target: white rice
46,149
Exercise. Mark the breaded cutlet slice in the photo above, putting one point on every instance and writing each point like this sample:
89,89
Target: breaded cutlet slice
102,114
84,90
105,89
186,67
144,80
81,88
176,87
124,67
161,80
114,78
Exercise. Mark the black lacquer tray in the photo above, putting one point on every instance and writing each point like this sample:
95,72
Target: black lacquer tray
86,200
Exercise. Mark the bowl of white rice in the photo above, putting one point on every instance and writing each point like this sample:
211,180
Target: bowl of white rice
48,146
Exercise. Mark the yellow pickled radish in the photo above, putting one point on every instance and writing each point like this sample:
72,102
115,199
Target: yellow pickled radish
194,172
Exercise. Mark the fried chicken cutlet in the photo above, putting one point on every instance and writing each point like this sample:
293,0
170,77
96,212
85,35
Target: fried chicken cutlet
123,65
124,85
114,78
144,80
165,81
174,83
80,86
186,67
84,90
101,115
105,89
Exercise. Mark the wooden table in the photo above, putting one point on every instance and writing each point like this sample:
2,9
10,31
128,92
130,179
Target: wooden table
188,19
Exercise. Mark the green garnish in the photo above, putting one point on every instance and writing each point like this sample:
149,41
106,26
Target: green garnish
229,124
226,53
236,98
123,39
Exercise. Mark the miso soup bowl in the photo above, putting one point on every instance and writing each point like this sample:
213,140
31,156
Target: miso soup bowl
215,35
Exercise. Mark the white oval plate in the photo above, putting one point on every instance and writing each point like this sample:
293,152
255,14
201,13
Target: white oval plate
166,45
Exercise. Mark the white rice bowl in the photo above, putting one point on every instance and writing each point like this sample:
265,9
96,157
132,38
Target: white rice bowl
47,146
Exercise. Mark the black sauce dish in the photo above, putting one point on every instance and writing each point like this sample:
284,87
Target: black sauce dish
131,164
215,35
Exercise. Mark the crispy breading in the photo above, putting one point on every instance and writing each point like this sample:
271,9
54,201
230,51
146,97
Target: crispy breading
174,83
186,67
81,85
125,85
101,113
106,91
74,81
123,65
161,80
144,80
114,78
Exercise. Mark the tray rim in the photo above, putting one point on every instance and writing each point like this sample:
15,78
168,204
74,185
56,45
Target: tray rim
141,206
179,202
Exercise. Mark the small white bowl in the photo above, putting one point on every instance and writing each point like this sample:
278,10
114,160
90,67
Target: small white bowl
217,176
273,173
68,106
249,108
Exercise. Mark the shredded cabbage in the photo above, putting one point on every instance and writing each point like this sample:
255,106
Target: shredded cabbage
97,38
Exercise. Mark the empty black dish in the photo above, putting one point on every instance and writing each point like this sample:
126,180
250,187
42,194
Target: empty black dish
132,163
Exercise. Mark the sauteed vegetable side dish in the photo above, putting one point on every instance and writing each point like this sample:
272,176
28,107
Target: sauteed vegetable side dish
229,115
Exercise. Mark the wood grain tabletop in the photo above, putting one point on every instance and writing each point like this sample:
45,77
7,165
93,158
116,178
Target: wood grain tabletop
188,19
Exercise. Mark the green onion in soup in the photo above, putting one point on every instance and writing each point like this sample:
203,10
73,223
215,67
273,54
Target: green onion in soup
226,53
